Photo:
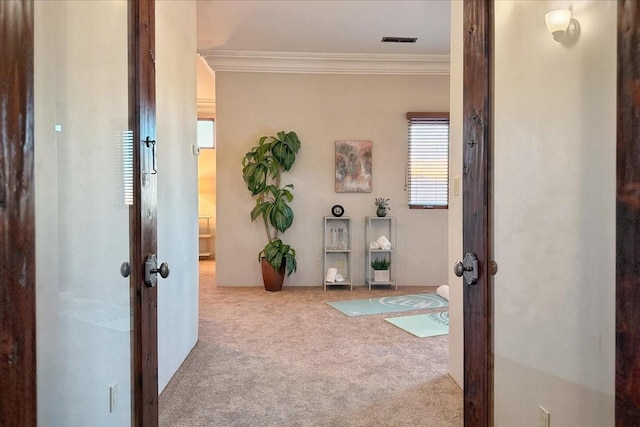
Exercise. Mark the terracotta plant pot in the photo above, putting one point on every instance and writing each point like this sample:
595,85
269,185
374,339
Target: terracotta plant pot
272,279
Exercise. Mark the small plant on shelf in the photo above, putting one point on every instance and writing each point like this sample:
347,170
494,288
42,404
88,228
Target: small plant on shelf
383,206
380,264
381,202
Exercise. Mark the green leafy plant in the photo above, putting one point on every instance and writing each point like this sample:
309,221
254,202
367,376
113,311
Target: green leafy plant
383,203
262,169
381,264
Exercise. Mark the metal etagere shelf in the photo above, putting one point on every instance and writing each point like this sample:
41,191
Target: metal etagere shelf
375,227
337,251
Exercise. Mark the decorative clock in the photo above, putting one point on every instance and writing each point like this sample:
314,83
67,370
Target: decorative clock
337,210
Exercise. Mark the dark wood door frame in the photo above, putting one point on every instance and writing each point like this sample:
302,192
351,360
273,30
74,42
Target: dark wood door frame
142,114
478,358
628,217
17,221
17,217
478,367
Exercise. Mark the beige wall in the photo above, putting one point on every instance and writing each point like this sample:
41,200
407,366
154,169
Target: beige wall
177,184
206,89
554,182
82,233
82,219
322,109
456,325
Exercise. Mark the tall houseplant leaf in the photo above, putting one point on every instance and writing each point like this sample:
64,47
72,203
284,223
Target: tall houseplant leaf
285,149
262,168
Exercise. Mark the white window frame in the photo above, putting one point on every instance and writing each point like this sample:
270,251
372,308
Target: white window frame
206,133
427,180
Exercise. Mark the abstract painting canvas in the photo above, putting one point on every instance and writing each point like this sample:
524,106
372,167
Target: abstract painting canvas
353,166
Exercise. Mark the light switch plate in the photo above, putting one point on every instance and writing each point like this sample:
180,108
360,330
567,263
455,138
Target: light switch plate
113,397
545,417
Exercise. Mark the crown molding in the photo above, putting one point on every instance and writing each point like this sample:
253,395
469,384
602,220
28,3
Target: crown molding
206,107
325,63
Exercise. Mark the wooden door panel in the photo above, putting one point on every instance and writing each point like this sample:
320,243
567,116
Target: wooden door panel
477,173
476,167
17,217
143,219
628,217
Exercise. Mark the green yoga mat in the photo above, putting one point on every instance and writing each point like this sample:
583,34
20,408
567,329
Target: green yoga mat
392,304
423,325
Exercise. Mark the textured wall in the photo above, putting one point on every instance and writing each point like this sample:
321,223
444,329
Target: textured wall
82,222
456,345
322,109
177,184
555,142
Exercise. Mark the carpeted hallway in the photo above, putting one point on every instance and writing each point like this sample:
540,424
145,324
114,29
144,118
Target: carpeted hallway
288,359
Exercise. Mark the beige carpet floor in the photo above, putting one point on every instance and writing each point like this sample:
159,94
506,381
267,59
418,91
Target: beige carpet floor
288,359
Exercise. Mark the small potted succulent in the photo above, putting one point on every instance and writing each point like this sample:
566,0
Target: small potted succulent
383,206
380,268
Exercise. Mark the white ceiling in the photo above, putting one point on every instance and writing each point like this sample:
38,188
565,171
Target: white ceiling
323,27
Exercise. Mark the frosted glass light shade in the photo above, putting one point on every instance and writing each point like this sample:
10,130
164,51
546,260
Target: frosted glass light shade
558,21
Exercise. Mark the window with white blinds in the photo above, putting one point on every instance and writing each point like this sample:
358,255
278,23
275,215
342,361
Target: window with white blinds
428,160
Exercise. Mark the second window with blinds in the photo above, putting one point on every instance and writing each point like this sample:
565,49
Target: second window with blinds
428,160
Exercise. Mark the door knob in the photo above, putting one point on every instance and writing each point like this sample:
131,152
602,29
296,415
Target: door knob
163,270
458,269
494,268
125,269
151,269
468,268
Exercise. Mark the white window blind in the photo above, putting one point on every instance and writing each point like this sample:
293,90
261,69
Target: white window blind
126,139
428,160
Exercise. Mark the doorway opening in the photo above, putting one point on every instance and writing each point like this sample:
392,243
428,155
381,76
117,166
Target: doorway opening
206,164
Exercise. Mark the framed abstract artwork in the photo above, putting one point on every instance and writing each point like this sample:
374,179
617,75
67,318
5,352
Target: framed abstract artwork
353,166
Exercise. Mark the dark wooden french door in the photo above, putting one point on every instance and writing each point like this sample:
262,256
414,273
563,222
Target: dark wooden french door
628,217
95,308
478,363
143,245
17,217
476,200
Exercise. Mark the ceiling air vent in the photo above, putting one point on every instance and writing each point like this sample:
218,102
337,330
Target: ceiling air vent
399,39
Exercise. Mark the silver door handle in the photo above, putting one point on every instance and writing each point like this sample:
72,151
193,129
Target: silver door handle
151,269
468,268
125,269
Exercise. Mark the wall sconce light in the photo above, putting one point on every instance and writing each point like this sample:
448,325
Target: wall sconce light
562,27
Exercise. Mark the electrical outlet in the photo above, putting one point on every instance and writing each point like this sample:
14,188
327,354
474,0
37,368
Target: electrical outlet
113,397
545,417
317,263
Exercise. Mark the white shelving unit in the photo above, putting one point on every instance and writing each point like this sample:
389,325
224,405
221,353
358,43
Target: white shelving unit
337,254
374,228
206,235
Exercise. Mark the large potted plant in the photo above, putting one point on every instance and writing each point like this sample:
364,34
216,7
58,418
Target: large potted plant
262,169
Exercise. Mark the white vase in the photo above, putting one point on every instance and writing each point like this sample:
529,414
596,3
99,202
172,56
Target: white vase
380,275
